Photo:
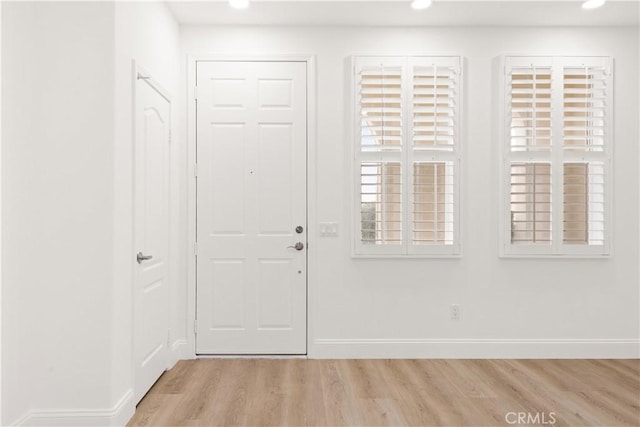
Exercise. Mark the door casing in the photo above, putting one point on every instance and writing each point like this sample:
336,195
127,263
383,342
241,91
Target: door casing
192,61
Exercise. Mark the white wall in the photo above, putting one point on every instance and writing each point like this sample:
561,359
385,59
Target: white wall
57,201
509,307
147,33
67,205
66,199
0,214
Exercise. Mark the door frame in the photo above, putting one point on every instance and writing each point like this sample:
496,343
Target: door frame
192,60
141,75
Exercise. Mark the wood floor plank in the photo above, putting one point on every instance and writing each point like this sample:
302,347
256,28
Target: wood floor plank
507,397
181,378
293,392
436,389
632,364
304,399
149,413
202,391
338,396
545,396
266,399
405,385
466,381
366,379
622,376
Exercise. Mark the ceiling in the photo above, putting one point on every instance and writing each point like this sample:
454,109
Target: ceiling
399,13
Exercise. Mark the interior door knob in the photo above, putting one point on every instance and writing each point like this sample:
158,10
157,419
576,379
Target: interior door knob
141,257
298,246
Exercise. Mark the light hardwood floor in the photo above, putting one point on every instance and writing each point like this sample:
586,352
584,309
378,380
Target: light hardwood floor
294,392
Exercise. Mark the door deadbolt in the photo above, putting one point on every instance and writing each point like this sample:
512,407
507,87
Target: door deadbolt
299,229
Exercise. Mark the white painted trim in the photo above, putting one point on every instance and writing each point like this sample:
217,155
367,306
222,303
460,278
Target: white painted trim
118,415
452,256
312,198
0,212
439,1
191,204
310,60
499,113
253,356
179,351
476,349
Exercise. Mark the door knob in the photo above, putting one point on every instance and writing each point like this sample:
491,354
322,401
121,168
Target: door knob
141,257
298,246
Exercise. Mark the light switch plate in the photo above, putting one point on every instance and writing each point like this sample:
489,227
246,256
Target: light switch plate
328,229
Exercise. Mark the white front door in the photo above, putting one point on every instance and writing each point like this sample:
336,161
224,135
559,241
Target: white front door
252,208
151,234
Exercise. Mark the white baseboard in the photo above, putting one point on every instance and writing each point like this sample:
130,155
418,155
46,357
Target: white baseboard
118,415
178,352
474,349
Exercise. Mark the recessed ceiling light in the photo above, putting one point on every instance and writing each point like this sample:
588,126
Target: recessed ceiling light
239,4
420,4
593,4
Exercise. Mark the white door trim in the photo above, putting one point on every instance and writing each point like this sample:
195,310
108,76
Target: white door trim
0,217
311,185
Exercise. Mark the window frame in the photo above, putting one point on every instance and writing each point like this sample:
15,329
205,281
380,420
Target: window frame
406,157
557,157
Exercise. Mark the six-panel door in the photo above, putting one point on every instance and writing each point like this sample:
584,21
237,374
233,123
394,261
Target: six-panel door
251,197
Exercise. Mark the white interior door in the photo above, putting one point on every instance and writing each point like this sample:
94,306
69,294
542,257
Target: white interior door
251,196
151,223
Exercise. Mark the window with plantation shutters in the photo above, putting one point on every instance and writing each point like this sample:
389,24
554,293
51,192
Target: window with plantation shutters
556,155
406,155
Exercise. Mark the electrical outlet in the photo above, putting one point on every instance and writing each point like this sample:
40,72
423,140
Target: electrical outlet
455,312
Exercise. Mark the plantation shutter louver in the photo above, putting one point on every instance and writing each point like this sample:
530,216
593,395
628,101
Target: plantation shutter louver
380,115
531,203
434,107
530,90
585,119
381,108
434,143
530,131
585,93
557,155
406,154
